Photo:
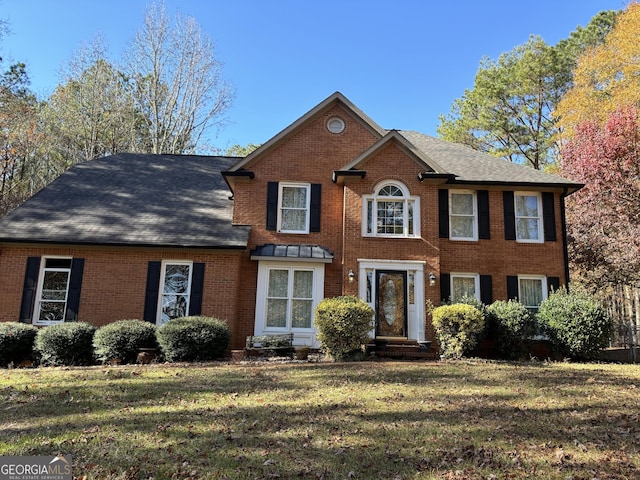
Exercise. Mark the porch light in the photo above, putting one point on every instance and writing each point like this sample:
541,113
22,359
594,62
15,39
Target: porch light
352,275
432,279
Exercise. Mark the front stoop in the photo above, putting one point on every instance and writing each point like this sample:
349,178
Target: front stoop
399,348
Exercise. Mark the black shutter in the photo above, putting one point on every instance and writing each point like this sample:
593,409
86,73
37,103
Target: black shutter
75,285
314,214
445,288
272,205
484,226
151,295
553,284
443,212
29,289
512,287
549,216
197,287
509,215
486,289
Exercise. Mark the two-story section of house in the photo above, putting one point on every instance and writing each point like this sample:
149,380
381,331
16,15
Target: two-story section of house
339,205
332,205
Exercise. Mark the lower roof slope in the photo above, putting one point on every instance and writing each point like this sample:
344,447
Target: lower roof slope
133,199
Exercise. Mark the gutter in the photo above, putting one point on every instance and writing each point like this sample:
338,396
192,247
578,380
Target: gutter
565,248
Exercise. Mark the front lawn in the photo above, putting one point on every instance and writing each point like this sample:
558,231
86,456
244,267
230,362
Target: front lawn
369,420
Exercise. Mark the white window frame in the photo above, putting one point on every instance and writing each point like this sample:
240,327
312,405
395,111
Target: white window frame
543,284
476,278
474,195
264,267
371,202
539,218
43,269
307,208
161,294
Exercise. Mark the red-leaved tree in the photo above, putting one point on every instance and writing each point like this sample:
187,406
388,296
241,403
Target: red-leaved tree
604,217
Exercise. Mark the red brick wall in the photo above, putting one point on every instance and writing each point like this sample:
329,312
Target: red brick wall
114,281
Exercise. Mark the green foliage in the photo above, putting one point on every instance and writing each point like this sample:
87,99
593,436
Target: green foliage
577,324
16,342
513,325
66,344
344,324
509,112
123,339
457,328
194,339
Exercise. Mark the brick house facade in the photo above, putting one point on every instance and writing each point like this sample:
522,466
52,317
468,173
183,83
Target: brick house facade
332,205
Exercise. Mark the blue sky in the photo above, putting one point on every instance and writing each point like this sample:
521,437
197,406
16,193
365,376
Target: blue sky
403,62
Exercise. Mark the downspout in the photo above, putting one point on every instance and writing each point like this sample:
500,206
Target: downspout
565,248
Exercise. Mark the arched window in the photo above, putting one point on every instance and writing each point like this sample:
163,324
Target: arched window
391,212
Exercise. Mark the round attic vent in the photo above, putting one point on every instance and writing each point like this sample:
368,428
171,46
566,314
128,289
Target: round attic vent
335,125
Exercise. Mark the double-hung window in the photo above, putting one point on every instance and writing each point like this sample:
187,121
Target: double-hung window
391,212
532,290
293,208
528,217
464,285
53,290
289,298
463,215
175,290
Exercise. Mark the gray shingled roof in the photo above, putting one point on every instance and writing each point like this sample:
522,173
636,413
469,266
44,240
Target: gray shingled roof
472,166
133,199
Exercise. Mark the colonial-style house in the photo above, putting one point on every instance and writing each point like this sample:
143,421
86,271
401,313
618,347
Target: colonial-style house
332,205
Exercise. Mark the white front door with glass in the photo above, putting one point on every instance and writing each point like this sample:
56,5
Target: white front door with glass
287,296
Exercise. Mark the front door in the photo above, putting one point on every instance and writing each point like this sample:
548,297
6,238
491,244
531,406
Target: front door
391,303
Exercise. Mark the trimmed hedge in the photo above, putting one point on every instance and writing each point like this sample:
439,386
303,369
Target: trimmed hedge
66,344
457,328
16,342
513,326
577,324
123,339
188,339
344,325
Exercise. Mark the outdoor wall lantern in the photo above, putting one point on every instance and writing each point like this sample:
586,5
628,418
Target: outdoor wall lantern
432,279
351,275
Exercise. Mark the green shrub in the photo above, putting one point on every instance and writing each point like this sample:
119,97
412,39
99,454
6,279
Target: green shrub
123,339
344,325
512,326
66,344
457,328
188,339
16,342
577,324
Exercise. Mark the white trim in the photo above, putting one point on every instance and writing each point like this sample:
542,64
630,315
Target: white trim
474,196
416,311
475,276
407,201
38,300
307,208
302,336
539,218
161,294
543,283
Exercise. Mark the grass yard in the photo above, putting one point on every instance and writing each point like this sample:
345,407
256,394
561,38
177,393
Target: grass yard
369,420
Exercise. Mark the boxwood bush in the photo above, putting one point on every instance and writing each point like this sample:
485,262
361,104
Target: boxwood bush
577,324
66,344
457,328
16,342
196,338
344,325
123,339
512,326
